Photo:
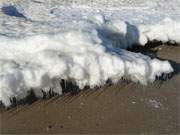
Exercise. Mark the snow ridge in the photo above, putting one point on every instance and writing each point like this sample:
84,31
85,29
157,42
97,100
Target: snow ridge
40,62
43,43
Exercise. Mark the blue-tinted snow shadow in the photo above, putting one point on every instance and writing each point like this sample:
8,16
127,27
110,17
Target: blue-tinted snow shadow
12,11
117,39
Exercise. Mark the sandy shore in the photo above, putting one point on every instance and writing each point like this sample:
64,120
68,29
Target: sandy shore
124,108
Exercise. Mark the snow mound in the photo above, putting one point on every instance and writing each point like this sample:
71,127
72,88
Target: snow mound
167,30
44,42
40,62
123,34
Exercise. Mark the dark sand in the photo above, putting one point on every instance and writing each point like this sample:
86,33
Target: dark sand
124,108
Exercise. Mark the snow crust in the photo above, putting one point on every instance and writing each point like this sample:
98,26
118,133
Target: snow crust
43,44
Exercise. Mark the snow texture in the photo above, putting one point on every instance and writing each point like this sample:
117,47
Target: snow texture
41,44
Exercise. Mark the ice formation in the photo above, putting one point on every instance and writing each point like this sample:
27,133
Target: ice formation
42,45
42,61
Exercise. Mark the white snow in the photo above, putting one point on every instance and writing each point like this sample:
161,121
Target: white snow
165,31
47,43
41,61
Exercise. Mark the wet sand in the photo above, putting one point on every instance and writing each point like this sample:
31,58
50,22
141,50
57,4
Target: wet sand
123,108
